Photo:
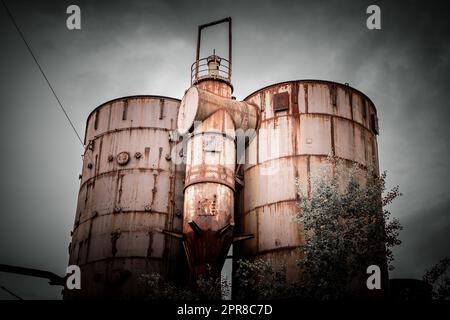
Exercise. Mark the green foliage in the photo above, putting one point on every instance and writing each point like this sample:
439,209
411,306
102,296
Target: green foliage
347,228
156,287
259,280
438,277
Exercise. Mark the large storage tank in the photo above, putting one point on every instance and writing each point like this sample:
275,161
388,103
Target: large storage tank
302,122
129,189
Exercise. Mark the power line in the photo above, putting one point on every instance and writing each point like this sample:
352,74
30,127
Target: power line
46,79
42,71
9,291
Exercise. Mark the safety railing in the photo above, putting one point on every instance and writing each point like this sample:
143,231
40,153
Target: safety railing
201,70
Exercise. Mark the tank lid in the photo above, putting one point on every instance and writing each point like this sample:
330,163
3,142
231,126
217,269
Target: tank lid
188,110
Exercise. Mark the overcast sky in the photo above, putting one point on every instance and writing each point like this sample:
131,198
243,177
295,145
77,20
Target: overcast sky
147,47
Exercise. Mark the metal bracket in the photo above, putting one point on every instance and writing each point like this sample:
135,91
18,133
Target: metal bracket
198,231
224,230
243,237
174,234
54,279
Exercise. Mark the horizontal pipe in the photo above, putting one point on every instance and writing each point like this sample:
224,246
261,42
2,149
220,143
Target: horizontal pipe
54,279
198,104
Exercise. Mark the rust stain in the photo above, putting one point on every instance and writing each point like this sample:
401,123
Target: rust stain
125,110
294,98
96,120
351,105
333,96
150,244
161,109
115,235
305,88
333,150
89,238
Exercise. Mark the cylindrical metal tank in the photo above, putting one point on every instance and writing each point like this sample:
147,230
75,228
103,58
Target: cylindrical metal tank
209,194
130,189
302,122
209,187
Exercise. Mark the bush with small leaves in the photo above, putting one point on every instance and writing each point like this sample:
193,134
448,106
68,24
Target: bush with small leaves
347,228
439,278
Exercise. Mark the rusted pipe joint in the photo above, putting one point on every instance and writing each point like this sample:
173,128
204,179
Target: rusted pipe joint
198,104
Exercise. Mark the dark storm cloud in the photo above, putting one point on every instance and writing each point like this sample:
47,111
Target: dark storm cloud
426,239
147,47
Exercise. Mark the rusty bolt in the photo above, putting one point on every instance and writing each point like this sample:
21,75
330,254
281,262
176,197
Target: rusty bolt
123,158
138,155
117,209
110,158
168,157
90,165
148,207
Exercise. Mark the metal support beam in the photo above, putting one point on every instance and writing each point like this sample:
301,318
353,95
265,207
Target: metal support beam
54,279
199,37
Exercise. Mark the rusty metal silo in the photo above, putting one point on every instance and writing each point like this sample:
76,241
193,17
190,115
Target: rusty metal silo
129,190
302,122
209,116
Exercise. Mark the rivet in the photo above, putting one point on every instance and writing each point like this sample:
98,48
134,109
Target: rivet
123,158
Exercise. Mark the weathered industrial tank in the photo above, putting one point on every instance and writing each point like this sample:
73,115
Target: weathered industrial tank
130,190
302,123
138,208
210,117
